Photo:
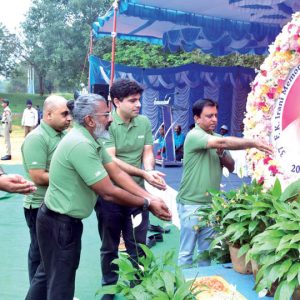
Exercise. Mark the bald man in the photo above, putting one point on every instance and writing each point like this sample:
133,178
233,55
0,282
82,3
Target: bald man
37,150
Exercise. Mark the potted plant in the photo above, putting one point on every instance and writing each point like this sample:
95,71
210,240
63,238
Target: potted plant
153,279
238,216
277,249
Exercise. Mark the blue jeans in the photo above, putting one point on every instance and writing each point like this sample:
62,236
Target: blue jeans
34,256
189,236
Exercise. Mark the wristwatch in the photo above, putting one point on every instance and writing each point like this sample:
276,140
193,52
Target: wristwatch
146,205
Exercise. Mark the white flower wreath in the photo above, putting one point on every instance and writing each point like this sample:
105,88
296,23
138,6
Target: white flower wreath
265,91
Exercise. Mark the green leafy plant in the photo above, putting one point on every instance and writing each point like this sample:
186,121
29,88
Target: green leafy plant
222,204
154,279
277,249
238,216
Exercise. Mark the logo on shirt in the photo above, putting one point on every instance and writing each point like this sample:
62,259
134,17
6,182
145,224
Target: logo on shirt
98,173
140,136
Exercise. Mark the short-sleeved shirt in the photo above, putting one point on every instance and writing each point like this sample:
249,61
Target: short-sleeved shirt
6,115
202,169
76,165
129,140
37,151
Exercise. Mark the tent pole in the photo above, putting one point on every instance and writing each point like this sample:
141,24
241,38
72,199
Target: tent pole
113,42
90,53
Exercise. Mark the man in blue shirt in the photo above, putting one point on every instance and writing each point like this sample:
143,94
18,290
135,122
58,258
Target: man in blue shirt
179,138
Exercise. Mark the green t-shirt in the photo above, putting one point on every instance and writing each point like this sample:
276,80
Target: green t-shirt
202,170
37,151
76,165
129,140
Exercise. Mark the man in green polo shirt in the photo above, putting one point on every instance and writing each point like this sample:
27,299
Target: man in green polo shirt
37,150
80,170
131,146
204,157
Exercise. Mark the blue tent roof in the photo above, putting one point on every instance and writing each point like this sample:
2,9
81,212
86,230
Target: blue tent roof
218,27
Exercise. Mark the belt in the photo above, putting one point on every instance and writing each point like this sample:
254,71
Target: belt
58,216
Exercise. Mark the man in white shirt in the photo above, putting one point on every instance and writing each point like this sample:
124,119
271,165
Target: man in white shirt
30,117
6,124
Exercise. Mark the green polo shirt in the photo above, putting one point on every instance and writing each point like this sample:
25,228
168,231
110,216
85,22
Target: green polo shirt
37,151
129,140
202,170
76,165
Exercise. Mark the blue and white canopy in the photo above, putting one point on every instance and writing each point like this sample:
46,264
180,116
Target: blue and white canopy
218,27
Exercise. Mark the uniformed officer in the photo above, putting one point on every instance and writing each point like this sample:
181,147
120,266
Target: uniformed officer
7,126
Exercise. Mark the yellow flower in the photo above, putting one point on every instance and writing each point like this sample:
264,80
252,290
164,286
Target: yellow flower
264,89
265,108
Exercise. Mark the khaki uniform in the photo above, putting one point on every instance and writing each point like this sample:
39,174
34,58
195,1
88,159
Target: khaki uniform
7,126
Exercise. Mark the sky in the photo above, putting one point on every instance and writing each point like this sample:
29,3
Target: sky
12,13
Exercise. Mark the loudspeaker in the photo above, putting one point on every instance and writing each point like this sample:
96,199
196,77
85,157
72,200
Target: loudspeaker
101,89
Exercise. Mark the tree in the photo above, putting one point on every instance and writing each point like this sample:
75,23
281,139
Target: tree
18,79
57,39
8,51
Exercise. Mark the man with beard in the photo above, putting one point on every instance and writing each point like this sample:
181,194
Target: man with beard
131,146
37,151
80,169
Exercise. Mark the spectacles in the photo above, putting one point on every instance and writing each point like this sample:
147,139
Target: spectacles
106,114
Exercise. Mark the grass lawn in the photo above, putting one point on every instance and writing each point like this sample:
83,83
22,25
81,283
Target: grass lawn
17,103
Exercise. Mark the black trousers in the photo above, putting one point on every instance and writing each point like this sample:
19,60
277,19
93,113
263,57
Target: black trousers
34,256
112,220
59,238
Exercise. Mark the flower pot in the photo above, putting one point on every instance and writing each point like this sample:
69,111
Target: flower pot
254,267
296,294
239,263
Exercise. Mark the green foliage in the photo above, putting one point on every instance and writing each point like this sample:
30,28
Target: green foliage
153,279
276,250
57,40
252,211
237,216
142,55
18,79
8,51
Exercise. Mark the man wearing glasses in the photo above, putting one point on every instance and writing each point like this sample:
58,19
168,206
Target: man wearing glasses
130,145
37,150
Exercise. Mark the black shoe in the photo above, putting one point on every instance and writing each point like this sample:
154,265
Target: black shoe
151,241
6,157
157,228
157,236
108,297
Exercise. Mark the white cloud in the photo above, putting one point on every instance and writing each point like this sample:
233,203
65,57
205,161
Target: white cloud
12,13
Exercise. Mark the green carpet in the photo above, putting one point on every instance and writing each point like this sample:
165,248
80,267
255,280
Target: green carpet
14,245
